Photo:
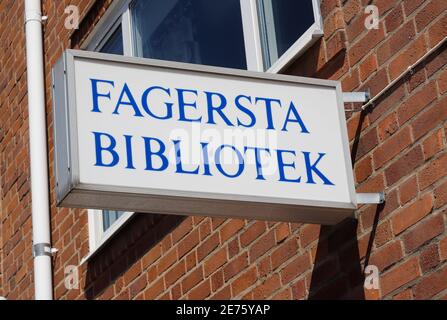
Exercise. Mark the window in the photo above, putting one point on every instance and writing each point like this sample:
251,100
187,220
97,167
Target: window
194,31
282,23
109,217
258,35
102,225
114,45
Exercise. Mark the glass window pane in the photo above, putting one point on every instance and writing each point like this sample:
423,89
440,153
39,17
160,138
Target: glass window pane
114,45
195,31
109,217
282,23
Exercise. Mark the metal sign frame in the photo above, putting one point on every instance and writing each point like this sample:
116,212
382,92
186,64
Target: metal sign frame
71,193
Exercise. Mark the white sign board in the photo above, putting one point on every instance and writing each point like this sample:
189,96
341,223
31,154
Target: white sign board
149,136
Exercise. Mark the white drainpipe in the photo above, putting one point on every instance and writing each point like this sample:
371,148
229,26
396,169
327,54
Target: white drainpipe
43,286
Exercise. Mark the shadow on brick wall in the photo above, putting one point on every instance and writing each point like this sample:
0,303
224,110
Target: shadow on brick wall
143,232
338,271
313,63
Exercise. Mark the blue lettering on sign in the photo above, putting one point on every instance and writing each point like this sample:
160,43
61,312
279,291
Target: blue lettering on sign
182,104
268,107
178,160
96,94
145,104
296,118
212,109
150,153
282,165
206,159
156,159
126,98
128,140
257,152
246,111
100,149
160,154
218,161
313,168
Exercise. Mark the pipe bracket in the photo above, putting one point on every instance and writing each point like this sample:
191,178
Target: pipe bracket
43,249
33,16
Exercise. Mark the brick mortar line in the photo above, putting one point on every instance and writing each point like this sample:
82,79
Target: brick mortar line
284,264
419,196
163,274
403,152
435,212
387,36
408,123
420,141
218,247
417,251
389,111
413,282
240,253
400,236
439,295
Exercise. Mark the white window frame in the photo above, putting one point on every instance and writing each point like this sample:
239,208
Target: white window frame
116,13
120,9
303,43
97,236
119,12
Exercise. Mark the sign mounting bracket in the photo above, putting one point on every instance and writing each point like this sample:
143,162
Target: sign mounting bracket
363,96
371,198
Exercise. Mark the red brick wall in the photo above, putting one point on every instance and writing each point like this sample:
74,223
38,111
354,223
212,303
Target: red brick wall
399,147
